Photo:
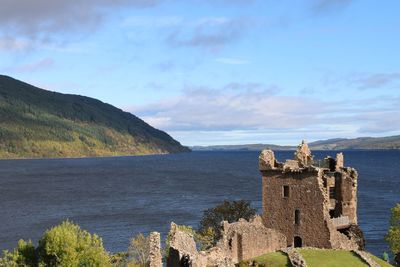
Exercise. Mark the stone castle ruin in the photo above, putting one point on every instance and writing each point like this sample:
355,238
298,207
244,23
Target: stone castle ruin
313,203
306,203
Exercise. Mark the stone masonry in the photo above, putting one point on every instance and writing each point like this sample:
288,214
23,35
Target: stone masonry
155,258
313,203
240,241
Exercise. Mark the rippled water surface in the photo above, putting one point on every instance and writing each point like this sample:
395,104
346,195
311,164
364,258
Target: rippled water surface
120,197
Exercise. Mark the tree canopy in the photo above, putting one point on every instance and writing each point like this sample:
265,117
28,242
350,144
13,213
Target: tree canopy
63,245
230,211
393,235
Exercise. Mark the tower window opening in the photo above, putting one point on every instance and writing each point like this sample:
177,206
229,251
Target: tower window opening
297,217
285,191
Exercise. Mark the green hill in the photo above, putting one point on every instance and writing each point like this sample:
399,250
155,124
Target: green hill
40,123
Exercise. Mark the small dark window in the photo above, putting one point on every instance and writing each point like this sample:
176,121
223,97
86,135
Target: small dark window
332,193
297,217
332,213
285,191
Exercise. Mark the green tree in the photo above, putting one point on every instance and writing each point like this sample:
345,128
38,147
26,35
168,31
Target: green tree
393,235
139,250
206,238
119,259
68,245
226,211
23,255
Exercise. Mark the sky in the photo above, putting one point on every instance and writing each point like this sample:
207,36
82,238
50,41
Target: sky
218,71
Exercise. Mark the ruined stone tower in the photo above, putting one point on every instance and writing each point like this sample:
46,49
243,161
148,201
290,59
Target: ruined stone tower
313,203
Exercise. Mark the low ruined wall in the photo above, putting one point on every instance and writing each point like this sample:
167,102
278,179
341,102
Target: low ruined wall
365,257
244,240
240,241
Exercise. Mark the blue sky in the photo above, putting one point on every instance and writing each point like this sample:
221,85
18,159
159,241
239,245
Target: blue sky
218,71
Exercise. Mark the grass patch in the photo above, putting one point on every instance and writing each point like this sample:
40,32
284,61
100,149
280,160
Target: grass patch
331,258
316,258
273,259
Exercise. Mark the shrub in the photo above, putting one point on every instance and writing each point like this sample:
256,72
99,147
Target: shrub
393,235
68,245
23,255
139,251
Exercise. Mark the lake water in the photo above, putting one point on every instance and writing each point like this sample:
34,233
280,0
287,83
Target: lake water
120,197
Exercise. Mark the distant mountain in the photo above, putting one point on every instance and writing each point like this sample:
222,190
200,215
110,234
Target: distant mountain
40,123
391,142
248,147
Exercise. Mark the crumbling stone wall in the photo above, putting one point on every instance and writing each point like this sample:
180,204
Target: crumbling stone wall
182,245
244,240
303,154
240,241
267,160
339,161
347,193
155,258
365,257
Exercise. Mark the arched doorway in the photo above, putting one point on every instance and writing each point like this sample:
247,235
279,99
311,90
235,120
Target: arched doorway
298,242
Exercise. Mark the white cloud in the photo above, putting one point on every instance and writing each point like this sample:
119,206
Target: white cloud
211,34
375,80
236,107
12,43
43,21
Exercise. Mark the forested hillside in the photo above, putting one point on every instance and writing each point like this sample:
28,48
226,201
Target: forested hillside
40,123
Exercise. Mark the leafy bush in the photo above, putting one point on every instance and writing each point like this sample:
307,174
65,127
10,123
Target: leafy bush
139,251
23,255
393,235
63,245
68,245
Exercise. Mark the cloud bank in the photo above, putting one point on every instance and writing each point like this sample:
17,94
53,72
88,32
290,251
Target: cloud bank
25,22
253,110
